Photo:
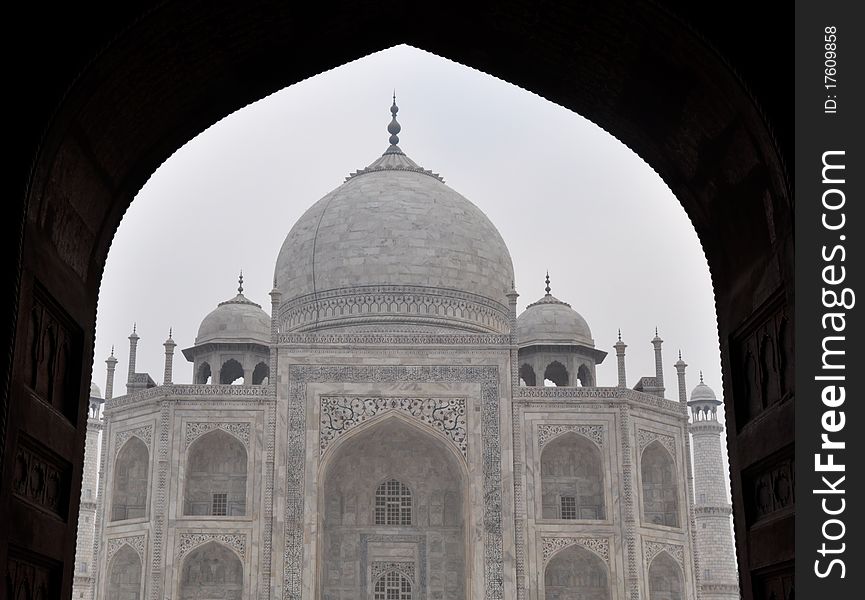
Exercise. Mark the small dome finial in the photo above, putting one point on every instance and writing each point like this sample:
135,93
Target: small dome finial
701,375
112,349
393,129
240,283
620,334
547,289
680,355
170,331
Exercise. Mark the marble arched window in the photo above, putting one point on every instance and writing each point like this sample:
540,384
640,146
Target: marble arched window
211,571
665,579
231,372
584,376
392,586
572,481
124,575
527,374
130,487
576,572
260,373
216,476
557,373
660,486
203,374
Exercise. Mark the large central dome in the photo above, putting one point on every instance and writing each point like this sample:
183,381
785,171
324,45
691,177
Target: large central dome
394,249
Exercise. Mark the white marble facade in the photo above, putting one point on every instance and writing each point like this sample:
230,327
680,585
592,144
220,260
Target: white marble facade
393,437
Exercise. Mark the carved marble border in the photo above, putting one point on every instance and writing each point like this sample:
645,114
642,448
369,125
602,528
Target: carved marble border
652,549
301,375
190,541
600,546
416,339
646,437
195,429
143,433
548,432
363,305
378,568
136,542
340,414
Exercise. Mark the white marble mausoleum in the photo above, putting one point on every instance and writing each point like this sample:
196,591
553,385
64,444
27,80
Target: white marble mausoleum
385,433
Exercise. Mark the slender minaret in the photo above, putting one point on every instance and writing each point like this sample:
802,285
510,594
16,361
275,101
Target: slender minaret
133,349
275,297
84,579
620,360
712,510
111,364
680,372
659,362
169,358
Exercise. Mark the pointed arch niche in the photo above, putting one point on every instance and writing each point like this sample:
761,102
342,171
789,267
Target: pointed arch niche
130,481
216,476
660,486
572,478
576,572
423,476
665,579
124,575
211,570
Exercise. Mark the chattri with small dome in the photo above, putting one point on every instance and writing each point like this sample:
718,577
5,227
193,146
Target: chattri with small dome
237,319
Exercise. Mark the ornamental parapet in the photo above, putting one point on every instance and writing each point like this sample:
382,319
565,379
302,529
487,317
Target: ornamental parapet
588,394
191,391
720,587
718,510
698,427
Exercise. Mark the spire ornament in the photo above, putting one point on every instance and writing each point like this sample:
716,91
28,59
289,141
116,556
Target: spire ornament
240,283
547,289
394,128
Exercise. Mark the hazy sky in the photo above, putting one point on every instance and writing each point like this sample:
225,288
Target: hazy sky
566,196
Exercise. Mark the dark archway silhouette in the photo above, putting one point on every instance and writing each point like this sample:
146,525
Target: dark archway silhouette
557,373
203,374
527,374
260,373
674,83
230,372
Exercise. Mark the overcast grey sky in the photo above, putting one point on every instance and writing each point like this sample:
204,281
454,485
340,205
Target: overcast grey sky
566,196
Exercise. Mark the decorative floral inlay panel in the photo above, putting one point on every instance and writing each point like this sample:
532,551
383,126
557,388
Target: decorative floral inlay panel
195,429
144,433
136,542
645,437
596,433
652,549
600,546
339,414
190,541
379,568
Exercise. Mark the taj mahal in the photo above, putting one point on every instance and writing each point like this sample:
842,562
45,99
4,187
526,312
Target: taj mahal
393,430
